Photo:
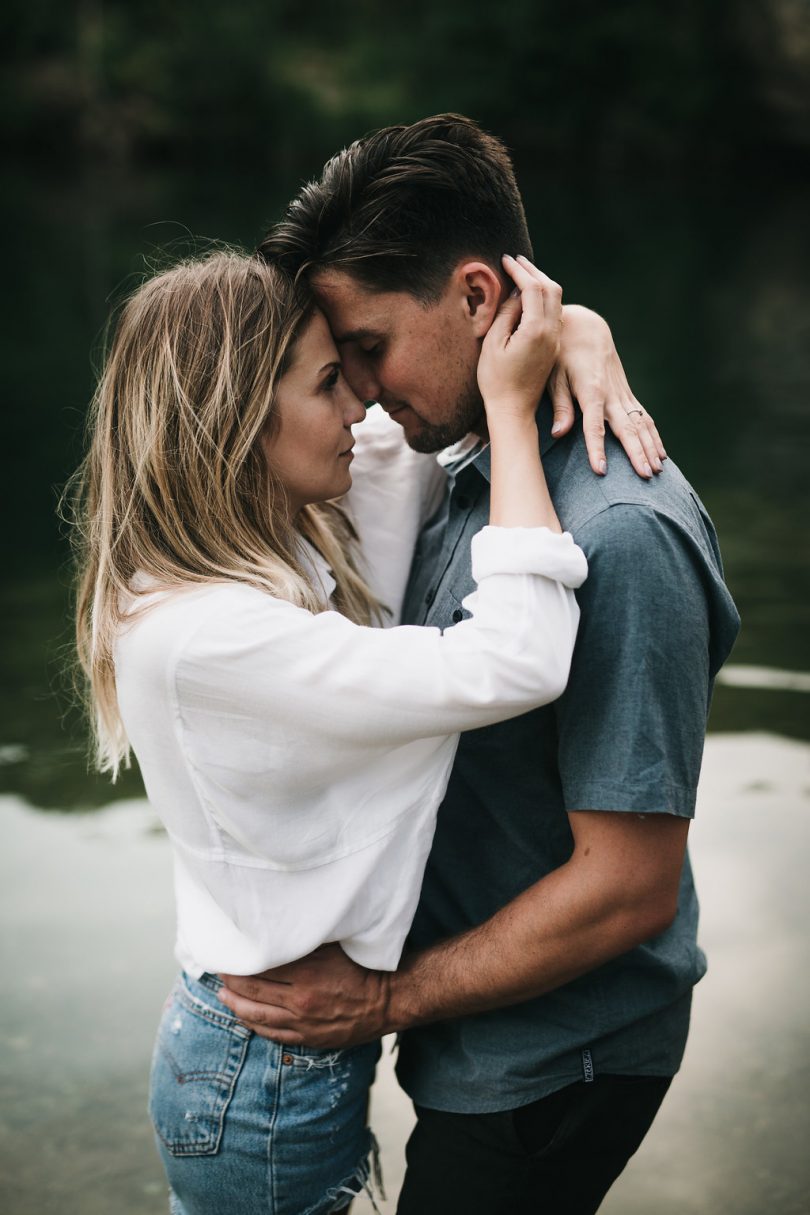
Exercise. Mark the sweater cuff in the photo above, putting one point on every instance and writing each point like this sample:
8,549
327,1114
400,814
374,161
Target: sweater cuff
528,550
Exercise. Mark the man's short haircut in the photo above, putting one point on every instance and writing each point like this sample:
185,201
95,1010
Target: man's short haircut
400,208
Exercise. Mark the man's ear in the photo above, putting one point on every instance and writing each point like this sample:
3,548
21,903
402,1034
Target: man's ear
479,291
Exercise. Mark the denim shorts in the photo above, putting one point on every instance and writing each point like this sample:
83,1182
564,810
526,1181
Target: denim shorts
245,1125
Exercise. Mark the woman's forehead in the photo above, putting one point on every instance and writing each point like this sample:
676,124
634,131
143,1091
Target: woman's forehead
315,344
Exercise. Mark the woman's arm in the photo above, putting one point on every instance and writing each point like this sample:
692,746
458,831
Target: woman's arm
589,371
517,355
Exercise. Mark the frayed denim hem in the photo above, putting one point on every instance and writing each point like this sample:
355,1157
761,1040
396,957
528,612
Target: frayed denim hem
367,1178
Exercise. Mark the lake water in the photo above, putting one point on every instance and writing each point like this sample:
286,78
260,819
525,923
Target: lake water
87,910
708,295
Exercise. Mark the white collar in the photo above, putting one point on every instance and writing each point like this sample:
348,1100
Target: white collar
460,450
316,568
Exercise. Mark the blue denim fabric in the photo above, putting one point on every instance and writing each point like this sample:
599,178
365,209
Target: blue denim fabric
245,1125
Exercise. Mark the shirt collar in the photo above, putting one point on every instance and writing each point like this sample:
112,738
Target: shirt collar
460,454
316,568
471,450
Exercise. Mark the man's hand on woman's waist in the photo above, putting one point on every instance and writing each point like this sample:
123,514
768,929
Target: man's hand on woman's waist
619,889
322,1000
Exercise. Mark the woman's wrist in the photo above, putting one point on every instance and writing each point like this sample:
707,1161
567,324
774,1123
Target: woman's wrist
511,416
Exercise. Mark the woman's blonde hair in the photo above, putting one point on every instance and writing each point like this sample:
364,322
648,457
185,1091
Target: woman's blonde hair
175,484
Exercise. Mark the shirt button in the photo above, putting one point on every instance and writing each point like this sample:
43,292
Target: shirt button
457,615
286,1059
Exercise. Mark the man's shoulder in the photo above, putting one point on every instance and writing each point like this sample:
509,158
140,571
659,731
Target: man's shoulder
599,508
651,546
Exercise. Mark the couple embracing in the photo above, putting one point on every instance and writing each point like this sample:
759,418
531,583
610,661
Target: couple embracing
421,704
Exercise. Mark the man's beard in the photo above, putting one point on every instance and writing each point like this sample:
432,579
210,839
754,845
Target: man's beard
467,415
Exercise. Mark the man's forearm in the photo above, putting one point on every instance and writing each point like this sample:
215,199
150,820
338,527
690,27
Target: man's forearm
569,923
544,939
619,888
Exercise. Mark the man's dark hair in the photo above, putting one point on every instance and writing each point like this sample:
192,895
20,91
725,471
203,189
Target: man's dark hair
401,207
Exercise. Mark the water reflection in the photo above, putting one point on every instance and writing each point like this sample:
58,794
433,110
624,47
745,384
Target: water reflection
732,1134
87,960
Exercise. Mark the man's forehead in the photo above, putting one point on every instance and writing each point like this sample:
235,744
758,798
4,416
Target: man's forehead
339,289
353,311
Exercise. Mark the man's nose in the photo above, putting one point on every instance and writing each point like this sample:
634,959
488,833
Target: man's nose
360,377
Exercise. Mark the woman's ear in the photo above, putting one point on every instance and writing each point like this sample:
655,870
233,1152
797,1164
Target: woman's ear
479,291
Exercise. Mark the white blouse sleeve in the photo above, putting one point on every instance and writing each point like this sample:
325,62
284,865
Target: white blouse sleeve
308,738
338,684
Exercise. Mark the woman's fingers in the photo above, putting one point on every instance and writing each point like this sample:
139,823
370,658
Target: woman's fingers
645,431
537,274
541,296
521,346
593,431
562,403
658,442
629,434
506,319
647,438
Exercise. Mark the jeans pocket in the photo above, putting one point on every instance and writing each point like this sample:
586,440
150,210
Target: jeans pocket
199,1053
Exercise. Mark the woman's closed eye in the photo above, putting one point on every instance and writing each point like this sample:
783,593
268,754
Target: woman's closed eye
332,379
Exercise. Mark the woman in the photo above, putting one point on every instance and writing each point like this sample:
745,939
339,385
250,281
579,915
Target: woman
296,755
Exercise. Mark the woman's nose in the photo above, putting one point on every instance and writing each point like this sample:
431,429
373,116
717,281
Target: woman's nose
355,410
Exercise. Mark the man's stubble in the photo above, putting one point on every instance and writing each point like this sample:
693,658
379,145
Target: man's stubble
466,415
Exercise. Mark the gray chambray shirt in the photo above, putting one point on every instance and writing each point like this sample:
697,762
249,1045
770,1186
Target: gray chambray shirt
627,735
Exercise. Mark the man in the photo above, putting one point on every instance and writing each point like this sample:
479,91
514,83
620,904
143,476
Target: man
547,987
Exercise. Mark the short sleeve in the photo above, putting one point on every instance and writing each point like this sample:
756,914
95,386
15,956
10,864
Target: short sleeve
632,719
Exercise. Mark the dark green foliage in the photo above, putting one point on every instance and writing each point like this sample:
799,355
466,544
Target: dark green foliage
595,85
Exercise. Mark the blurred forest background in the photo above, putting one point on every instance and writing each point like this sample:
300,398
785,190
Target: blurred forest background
663,151
696,86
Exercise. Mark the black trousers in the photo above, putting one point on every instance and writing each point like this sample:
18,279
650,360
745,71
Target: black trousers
557,1156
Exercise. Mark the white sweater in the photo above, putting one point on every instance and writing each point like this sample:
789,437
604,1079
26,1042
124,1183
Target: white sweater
298,760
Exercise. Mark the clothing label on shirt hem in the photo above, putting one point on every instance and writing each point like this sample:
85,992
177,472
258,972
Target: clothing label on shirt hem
587,1067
